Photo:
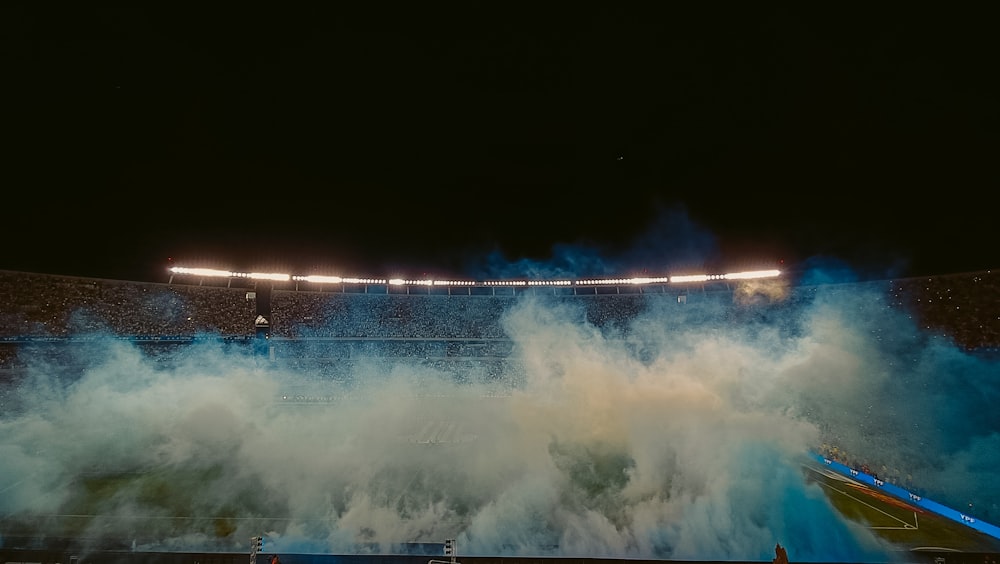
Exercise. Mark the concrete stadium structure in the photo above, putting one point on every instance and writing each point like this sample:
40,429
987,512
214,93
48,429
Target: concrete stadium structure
329,330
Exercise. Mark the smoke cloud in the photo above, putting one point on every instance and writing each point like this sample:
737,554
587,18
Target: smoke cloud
672,243
676,431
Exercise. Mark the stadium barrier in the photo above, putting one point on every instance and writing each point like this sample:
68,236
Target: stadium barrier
909,497
128,338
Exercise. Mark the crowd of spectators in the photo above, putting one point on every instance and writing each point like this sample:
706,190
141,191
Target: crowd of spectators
57,306
874,469
450,334
964,307
381,316
361,347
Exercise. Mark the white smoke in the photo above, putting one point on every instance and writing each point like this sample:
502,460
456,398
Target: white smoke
679,436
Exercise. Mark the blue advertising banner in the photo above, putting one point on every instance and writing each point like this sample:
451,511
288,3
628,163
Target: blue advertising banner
910,497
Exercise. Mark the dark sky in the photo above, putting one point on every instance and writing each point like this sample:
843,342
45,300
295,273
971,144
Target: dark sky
445,140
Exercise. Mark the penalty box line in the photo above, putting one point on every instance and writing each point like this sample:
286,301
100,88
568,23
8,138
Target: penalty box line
905,526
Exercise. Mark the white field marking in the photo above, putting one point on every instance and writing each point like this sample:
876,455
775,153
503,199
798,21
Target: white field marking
15,484
906,526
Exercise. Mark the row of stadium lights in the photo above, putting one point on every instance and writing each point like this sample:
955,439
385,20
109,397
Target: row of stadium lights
320,279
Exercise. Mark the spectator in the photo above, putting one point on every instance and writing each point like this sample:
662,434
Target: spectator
780,555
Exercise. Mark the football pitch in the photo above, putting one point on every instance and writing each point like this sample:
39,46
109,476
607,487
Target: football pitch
905,525
919,534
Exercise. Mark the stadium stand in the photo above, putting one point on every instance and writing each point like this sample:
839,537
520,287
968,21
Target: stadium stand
449,332
321,327
960,306
57,306
318,314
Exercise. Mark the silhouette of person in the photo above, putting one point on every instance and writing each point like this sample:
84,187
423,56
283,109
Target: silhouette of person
780,555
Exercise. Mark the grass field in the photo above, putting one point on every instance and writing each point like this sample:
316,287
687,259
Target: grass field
909,527
913,529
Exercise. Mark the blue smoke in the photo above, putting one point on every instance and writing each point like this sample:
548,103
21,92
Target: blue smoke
673,243
636,427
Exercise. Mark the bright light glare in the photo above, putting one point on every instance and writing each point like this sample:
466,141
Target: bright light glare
753,274
320,279
364,281
202,271
268,276
689,278
550,282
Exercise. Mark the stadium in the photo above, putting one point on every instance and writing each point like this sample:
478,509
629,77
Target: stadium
218,416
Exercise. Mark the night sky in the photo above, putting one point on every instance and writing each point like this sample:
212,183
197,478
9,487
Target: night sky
446,140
